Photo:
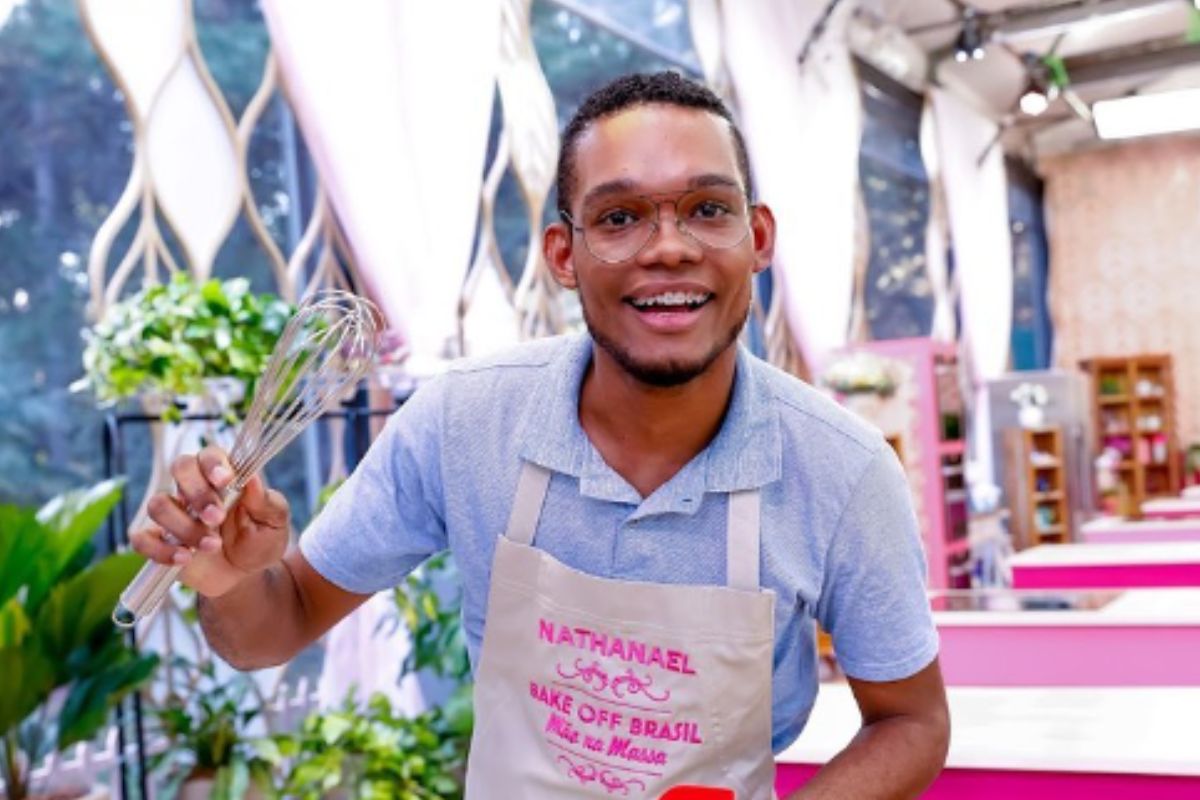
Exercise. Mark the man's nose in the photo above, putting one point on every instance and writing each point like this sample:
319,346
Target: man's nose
670,243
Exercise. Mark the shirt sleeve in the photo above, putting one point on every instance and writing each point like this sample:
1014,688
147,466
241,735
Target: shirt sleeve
874,602
389,515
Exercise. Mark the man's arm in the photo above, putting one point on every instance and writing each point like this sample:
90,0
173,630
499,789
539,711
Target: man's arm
270,616
900,748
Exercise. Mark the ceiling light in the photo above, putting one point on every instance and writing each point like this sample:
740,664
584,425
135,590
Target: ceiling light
1040,87
1034,102
972,38
1148,114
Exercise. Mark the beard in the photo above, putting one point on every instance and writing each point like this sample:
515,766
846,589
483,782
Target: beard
667,373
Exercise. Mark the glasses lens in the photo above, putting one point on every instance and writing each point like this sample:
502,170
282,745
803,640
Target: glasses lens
715,216
617,228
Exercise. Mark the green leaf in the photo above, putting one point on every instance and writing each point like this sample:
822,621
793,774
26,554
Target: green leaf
87,705
14,624
22,545
334,727
72,519
79,609
1193,29
28,681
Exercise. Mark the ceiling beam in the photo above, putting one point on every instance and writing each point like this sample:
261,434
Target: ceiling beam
1017,23
1142,59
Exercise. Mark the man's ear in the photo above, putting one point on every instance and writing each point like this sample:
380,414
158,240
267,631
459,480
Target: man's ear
557,247
762,228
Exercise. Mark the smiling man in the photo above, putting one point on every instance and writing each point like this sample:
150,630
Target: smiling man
647,519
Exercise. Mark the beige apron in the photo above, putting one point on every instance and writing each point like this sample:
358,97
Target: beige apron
592,687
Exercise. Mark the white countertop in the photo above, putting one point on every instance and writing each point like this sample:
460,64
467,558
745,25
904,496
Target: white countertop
1106,524
1169,504
1129,730
1140,607
1092,555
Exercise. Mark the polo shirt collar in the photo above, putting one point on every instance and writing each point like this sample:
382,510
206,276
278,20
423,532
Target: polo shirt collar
745,454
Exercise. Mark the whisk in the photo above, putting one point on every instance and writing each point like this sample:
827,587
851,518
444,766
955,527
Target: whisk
325,349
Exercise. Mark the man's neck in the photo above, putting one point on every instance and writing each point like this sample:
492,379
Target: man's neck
648,433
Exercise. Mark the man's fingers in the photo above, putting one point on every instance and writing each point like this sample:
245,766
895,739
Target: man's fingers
151,542
214,463
264,506
170,515
199,495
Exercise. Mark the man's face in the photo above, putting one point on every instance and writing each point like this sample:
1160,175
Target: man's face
668,311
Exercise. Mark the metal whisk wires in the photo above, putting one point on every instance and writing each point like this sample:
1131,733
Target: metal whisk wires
325,349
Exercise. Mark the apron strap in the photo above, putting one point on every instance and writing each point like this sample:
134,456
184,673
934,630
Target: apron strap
527,507
742,540
742,527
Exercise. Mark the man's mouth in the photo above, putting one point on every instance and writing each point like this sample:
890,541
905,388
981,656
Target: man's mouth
670,301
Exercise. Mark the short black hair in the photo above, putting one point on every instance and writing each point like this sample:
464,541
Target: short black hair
639,88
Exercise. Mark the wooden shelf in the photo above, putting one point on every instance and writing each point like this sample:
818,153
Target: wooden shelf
1153,402
1036,490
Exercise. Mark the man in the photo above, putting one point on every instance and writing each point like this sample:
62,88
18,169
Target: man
647,518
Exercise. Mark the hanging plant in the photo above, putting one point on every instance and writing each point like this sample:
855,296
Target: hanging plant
170,339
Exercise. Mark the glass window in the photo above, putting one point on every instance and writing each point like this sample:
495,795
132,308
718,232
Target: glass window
1032,333
895,188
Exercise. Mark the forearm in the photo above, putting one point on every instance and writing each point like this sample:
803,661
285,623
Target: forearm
892,758
259,623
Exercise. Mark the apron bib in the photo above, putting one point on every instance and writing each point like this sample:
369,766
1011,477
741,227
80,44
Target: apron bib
593,687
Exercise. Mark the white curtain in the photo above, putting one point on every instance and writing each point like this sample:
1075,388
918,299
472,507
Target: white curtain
803,127
394,98
972,166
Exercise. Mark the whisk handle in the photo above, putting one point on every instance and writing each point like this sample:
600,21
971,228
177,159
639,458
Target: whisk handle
146,592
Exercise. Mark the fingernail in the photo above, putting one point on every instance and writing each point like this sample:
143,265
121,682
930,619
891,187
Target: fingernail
210,544
182,556
220,473
211,515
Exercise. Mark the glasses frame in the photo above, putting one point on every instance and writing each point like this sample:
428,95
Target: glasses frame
680,225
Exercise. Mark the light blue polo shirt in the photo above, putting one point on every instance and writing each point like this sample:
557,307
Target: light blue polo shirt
839,537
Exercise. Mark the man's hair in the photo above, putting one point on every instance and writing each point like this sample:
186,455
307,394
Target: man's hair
628,91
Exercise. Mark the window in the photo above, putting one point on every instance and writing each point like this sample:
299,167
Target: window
897,293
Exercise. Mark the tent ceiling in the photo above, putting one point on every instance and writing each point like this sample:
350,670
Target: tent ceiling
1111,48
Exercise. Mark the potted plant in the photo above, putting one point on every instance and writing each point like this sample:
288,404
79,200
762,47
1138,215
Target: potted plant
181,339
64,665
375,753
210,753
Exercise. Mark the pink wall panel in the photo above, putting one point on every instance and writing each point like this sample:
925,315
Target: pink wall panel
1092,655
977,784
1109,576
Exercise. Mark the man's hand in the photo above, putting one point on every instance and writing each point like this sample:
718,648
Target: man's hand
217,548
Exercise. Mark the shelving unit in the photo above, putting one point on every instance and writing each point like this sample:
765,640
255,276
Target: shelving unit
1036,486
923,422
1133,405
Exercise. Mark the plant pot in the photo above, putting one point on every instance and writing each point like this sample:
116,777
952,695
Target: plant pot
1031,416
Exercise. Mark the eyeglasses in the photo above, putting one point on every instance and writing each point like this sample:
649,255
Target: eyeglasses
616,228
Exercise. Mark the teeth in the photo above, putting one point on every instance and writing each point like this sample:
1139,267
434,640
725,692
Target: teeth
672,299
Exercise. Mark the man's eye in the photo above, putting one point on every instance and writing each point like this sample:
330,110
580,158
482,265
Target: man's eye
710,209
617,218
